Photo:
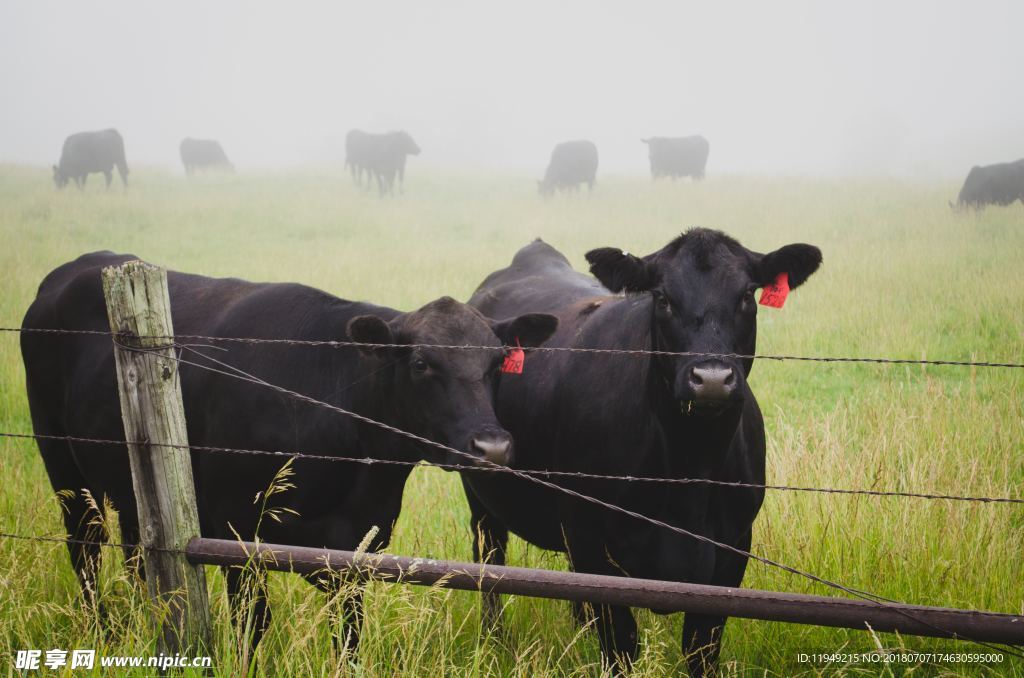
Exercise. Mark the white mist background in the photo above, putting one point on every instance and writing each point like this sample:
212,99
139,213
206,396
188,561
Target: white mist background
909,88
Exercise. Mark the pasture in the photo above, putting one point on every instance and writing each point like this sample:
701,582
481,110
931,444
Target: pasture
903,276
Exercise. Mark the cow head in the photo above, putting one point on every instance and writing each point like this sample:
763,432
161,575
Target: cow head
447,395
702,287
545,187
406,143
60,180
972,194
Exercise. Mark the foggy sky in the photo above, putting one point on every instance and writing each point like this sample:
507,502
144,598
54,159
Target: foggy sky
910,88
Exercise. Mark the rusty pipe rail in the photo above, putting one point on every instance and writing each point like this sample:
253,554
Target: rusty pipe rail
793,608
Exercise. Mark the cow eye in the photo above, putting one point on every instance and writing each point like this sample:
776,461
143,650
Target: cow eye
662,302
420,365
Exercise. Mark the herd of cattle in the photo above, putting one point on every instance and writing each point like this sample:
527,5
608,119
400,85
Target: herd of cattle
662,415
380,159
659,416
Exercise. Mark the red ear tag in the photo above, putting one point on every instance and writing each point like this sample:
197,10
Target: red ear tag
513,363
774,295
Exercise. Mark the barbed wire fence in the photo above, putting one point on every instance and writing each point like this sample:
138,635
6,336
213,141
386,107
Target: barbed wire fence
538,477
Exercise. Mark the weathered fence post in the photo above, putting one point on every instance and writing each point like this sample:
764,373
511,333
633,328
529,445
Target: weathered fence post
139,309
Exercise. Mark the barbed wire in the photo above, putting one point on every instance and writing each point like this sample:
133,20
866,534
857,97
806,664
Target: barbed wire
240,374
538,349
245,376
578,475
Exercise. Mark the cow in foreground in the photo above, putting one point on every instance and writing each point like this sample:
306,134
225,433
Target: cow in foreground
203,154
444,396
677,157
572,163
88,152
1000,184
379,157
660,416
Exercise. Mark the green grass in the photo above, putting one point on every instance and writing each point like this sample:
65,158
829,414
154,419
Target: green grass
903,276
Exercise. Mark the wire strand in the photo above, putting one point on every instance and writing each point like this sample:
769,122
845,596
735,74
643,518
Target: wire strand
370,461
541,349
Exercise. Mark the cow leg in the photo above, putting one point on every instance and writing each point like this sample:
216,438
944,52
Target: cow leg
490,541
350,618
108,175
247,596
83,520
702,633
615,625
616,630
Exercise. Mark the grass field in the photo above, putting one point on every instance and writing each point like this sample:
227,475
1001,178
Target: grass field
903,276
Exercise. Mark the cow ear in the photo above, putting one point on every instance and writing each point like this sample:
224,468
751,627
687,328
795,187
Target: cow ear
532,329
369,329
618,270
798,260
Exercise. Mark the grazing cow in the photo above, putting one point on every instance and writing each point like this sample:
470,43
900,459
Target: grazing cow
379,156
572,163
677,156
999,184
662,416
88,152
202,154
445,396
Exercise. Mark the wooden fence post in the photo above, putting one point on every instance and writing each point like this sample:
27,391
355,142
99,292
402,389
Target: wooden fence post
139,307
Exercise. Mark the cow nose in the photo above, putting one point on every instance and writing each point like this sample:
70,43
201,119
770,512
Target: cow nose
712,382
496,451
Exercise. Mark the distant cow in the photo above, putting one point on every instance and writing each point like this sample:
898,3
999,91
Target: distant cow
677,157
999,184
443,396
572,163
379,156
201,154
88,152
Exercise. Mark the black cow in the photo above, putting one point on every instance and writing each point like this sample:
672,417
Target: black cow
202,154
572,163
88,152
380,156
445,396
1000,184
686,417
677,157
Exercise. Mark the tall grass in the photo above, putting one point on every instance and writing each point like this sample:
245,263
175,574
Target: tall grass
903,277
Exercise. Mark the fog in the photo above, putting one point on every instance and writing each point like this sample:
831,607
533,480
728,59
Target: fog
909,88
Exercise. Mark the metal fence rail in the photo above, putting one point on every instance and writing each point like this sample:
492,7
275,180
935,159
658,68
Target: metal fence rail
794,608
